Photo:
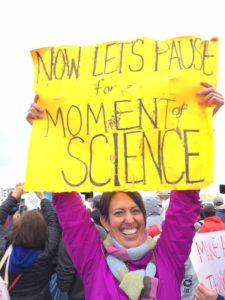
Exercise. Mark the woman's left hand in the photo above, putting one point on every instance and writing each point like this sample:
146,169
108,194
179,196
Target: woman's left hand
210,97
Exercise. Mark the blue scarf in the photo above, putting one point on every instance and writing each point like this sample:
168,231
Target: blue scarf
22,259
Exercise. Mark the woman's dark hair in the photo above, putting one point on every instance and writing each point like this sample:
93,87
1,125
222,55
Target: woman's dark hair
31,231
106,199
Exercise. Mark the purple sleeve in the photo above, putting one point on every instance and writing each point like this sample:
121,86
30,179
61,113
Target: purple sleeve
174,244
79,232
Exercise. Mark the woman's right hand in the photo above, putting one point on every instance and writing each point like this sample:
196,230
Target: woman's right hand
204,293
35,111
18,191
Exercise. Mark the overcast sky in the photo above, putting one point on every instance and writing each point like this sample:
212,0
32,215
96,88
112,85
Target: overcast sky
28,24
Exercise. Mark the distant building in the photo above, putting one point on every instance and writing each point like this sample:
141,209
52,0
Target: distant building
4,193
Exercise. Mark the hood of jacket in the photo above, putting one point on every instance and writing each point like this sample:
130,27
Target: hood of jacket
22,259
214,219
152,205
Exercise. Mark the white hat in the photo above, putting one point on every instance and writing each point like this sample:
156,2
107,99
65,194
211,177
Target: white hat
218,200
163,193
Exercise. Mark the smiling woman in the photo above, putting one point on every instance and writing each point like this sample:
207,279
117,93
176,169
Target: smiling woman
124,217
132,265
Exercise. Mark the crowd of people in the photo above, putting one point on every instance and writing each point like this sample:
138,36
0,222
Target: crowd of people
42,253
124,247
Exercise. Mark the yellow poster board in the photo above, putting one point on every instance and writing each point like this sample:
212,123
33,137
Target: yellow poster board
123,115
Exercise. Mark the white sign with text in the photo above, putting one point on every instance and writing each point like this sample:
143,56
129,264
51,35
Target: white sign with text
208,258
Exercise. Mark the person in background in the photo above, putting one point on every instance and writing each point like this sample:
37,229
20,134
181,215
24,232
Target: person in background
95,213
190,280
164,198
200,220
34,237
68,279
217,201
204,293
9,221
220,207
153,211
211,221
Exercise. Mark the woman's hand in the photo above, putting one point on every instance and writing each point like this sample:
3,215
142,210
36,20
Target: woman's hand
204,293
210,97
35,111
18,191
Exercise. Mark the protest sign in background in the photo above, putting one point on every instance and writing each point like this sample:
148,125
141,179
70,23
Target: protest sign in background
208,259
123,115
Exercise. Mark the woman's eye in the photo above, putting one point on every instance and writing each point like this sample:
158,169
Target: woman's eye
136,211
118,213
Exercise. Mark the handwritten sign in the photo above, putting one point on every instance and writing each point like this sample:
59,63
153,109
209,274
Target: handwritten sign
123,116
208,259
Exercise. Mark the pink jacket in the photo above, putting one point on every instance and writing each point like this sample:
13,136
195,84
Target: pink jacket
86,250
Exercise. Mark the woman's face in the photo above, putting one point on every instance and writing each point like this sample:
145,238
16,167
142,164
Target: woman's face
126,222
